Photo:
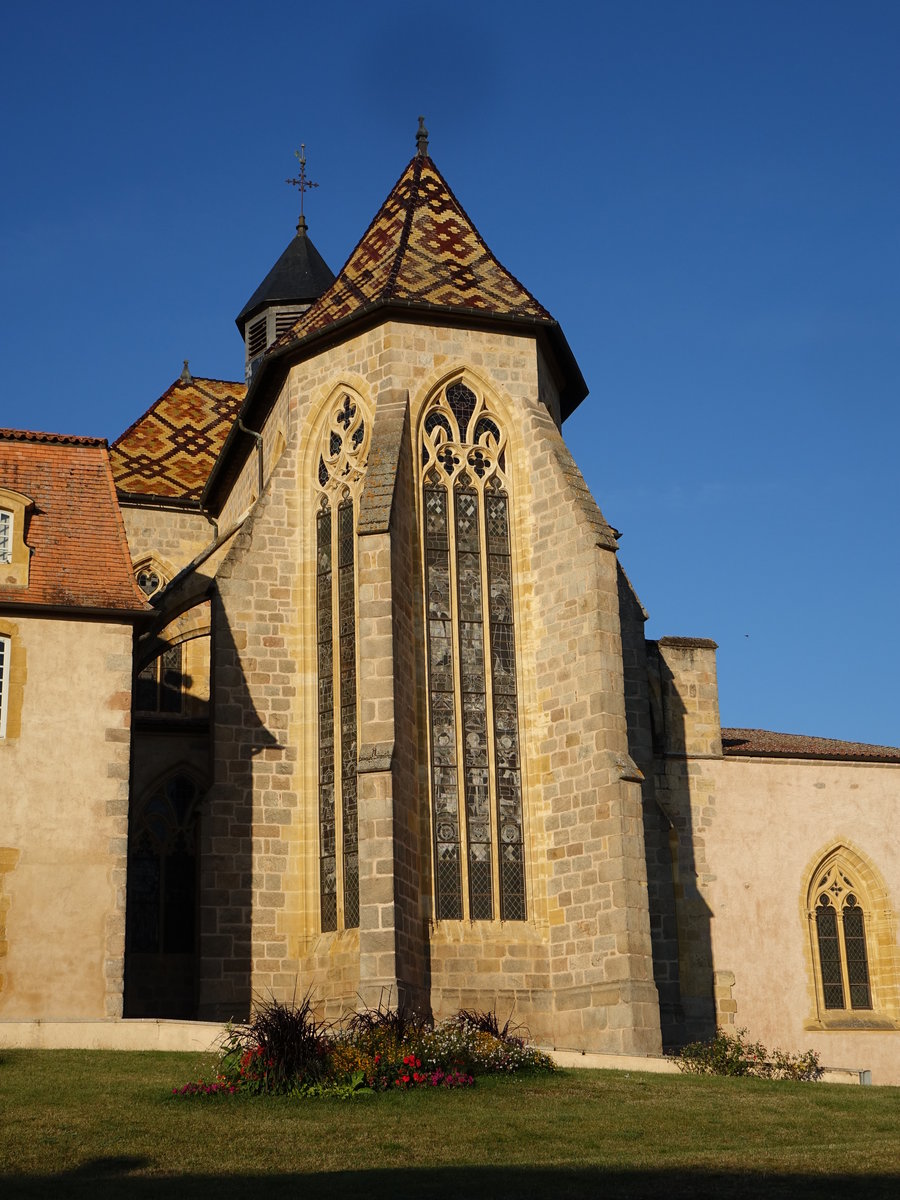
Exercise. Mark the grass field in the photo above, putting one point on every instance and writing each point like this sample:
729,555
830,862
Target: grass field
98,1124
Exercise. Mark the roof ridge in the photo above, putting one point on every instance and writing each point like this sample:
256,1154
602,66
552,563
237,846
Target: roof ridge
196,380
61,439
416,162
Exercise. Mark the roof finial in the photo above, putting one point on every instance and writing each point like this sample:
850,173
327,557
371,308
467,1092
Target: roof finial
302,183
422,139
186,376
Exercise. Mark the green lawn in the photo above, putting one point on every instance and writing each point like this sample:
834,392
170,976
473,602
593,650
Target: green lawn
76,1123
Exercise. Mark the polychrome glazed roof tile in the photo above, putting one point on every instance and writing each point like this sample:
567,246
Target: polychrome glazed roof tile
73,527
763,743
421,248
170,450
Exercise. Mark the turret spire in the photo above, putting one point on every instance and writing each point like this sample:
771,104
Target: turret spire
422,139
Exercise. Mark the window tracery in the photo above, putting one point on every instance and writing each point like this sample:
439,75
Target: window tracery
476,782
840,926
340,473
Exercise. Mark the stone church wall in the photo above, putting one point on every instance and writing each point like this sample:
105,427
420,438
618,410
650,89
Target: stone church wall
579,969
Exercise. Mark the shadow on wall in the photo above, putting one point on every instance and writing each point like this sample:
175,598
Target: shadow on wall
658,741
226,833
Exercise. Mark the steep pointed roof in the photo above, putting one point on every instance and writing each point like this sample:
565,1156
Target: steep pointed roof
299,276
421,249
170,451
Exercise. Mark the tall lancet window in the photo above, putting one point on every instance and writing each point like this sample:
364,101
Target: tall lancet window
341,468
476,777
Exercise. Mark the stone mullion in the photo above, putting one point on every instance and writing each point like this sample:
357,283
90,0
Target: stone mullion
473,738
442,707
490,719
327,741
349,824
505,709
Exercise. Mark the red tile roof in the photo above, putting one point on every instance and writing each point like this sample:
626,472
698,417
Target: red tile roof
421,249
170,451
33,435
762,743
74,529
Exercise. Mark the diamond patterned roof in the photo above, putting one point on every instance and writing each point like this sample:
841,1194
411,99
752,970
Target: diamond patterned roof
421,248
170,450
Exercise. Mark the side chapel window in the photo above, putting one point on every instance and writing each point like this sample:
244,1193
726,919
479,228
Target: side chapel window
162,870
840,925
160,684
476,779
340,473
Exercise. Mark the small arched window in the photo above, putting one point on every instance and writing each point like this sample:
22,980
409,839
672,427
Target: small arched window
6,535
840,928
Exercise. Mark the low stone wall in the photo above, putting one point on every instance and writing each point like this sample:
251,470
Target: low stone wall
206,1035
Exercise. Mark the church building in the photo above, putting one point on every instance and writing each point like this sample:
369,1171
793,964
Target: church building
331,680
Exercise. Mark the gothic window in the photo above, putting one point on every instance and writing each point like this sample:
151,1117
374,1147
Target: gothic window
162,875
339,475
6,532
4,683
840,929
476,778
160,685
150,576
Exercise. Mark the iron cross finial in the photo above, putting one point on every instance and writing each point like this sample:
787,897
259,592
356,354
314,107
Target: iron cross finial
301,182
422,139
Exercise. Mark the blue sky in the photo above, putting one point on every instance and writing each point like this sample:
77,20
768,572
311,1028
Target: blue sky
703,194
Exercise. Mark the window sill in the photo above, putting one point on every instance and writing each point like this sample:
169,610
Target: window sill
849,1022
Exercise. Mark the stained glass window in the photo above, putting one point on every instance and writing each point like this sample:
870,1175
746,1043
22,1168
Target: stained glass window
476,784
339,473
160,685
162,902
841,941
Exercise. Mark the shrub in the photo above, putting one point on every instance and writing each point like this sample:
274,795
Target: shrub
282,1048
732,1054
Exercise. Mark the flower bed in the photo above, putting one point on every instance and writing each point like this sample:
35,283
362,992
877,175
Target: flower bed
285,1050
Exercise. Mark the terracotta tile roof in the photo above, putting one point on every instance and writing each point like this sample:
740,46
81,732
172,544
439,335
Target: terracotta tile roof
421,248
756,743
74,529
170,450
32,435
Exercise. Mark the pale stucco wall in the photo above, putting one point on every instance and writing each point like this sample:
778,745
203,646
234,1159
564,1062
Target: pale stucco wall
766,825
63,799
